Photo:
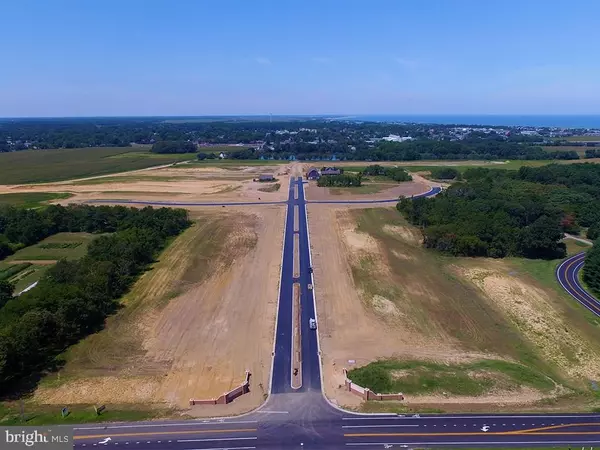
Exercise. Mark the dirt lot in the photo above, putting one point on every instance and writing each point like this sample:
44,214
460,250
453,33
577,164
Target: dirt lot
192,325
180,183
380,295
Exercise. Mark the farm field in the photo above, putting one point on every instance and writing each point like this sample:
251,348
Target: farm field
53,248
578,149
30,263
504,337
40,166
32,199
183,332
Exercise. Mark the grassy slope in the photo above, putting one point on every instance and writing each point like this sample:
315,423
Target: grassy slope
37,166
10,414
445,305
187,261
183,263
458,309
31,199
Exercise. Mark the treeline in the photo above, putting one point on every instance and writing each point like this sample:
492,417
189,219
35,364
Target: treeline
591,268
342,180
395,173
74,297
592,153
453,150
23,227
501,213
445,173
174,147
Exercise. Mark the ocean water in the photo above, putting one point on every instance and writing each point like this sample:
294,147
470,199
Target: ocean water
563,121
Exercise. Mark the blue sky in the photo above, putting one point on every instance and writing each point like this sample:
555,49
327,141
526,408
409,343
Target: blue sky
195,57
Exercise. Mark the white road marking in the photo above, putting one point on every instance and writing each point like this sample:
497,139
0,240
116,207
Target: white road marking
374,418
271,412
581,416
437,443
378,426
184,424
218,439
224,448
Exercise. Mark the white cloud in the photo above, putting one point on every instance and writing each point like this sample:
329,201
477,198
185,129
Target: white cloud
321,59
262,60
408,63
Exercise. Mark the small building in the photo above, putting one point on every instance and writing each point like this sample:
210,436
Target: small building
266,177
313,174
331,171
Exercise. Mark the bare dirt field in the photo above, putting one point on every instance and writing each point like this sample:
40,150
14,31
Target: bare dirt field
185,183
191,326
381,295
386,191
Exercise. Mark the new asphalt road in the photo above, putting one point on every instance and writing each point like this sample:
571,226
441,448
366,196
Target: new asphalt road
303,419
567,274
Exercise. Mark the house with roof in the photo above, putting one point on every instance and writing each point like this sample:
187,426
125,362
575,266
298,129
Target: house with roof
330,171
313,174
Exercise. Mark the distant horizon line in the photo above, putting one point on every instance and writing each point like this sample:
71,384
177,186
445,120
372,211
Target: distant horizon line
309,115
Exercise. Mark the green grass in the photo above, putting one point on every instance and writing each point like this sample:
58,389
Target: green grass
38,166
40,253
231,163
32,199
10,414
10,271
544,272
33,273
581,138
574,246
472,379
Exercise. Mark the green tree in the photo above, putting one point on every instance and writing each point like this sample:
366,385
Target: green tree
6,292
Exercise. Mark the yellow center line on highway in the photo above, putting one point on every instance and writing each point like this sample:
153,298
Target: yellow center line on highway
162,433
534,431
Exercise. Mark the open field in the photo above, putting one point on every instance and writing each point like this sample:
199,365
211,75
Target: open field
187,183
368,191
504,337
564,148
582,138
35,259
32,199
39,166
53,248
232,163
421,166
191,326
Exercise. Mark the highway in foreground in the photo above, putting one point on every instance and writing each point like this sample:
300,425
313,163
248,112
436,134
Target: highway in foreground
303,419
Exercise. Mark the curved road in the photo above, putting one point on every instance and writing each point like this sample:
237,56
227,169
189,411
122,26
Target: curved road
304,419
567,274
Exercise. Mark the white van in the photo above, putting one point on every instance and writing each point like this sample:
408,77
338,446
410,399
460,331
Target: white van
312,324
